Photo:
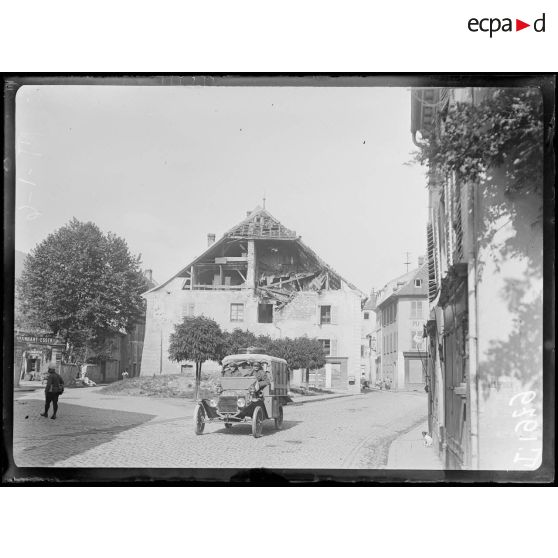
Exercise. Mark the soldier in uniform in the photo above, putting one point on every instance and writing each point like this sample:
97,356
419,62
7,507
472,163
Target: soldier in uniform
261,375
54,388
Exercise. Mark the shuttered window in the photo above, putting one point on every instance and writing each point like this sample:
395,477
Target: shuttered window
416,310
237,312
326,345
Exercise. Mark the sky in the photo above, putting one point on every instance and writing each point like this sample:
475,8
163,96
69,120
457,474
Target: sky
163,166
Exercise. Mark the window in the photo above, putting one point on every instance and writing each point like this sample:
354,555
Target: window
416,309
366,315
362,351
418,282
237,312
325,314
265,313
326,345
188,309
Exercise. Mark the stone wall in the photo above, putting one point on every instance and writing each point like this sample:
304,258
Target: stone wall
168,305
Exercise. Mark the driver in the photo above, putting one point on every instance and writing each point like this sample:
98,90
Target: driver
262,378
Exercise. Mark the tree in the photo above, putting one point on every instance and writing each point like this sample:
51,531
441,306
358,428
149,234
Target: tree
196,339
301,352
236,340
82,285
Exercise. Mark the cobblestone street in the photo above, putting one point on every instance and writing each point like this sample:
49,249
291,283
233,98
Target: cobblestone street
100,431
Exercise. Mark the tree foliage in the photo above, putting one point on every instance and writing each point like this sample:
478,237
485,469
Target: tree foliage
299,352
196,339
83,285
505,130
236,340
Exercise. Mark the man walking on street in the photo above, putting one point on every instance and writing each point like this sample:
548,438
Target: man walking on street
53,389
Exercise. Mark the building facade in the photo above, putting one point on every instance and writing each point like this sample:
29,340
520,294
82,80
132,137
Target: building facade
261,277
368,340
34,353
401,312
485,307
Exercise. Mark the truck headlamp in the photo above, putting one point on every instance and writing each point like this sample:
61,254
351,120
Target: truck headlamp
241,402
212,403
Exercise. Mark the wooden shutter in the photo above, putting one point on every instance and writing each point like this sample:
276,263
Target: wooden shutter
334,316
318,314
432,279
333,347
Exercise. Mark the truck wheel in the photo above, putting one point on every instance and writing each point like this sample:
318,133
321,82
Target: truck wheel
199,419
279,419
257,422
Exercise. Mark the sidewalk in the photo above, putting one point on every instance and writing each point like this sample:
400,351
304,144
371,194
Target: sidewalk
302,399
409,452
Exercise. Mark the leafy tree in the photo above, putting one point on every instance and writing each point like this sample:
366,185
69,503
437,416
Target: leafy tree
196,339
300,352
236,340
83,285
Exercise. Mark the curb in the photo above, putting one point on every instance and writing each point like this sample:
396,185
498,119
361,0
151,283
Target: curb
316,398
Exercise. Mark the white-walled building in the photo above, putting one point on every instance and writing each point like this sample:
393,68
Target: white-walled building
485,324
261,277
402,311
368,339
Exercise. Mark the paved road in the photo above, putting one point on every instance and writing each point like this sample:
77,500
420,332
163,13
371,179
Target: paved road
349,432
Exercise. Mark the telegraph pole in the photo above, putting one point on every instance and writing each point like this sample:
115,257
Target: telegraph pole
407,263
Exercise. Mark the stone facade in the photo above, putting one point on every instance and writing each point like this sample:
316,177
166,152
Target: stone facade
236,306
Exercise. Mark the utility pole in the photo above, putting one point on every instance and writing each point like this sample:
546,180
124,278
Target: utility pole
407,263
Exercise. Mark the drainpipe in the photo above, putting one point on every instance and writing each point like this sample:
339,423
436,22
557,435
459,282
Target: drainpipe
473,383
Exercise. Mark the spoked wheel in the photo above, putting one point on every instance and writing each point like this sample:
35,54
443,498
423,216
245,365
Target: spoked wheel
279,419
257,422
228,425
199,419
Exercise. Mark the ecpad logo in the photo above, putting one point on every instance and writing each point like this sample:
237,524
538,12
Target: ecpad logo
493,25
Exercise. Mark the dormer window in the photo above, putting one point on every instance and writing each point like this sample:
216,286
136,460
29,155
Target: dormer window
418,282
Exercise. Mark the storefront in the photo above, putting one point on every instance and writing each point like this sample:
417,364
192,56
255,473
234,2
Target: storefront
34,354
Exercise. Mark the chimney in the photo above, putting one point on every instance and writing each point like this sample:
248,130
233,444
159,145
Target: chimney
210,239
148,273
421,261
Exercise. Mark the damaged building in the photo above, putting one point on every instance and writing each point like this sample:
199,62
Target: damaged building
261,277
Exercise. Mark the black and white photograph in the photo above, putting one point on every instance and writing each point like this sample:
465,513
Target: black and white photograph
328,275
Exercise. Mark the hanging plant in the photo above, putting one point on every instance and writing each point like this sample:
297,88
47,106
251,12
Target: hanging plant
504,130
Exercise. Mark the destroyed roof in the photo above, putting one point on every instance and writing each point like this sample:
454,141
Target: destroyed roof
260,224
